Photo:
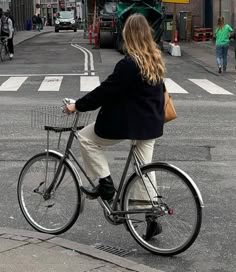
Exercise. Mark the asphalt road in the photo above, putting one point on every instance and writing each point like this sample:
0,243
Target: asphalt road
201,142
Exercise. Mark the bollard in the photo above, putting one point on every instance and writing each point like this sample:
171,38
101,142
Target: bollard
90,34
176,38
96,37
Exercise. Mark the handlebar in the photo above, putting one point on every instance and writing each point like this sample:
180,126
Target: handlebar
67,101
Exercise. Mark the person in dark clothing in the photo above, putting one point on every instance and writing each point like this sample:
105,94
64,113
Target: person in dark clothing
7,30
131,102
34,21
233,37
39,22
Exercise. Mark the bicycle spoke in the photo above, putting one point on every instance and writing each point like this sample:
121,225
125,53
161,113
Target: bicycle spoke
173,223
53,213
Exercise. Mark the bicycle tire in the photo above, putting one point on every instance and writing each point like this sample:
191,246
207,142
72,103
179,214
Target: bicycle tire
57,214
4,54
177,211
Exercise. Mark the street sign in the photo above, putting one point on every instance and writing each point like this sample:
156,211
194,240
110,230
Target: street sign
177,1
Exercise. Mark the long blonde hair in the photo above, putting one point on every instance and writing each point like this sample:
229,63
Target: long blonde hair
220,22
140,46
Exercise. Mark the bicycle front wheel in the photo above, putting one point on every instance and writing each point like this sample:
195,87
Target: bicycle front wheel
4,54
57,212
163,211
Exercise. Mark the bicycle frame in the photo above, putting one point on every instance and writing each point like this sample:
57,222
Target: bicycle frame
3,42
111,210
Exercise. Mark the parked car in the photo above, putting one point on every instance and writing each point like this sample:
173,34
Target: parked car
66,20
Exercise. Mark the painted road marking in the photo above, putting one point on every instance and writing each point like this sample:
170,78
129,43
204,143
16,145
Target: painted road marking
36,75
88,83
85,56
173,87
12,84
88,52
51,84
209,86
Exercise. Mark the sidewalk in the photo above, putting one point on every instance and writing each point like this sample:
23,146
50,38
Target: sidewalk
31,251
204,54
21,36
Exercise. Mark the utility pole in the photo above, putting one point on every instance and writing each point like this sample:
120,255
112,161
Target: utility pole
174,23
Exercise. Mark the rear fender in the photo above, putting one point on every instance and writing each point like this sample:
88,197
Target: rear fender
167,165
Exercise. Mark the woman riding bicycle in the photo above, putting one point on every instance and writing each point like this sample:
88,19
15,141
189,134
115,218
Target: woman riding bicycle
132,103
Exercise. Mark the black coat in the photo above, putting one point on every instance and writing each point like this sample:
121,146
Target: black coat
130,107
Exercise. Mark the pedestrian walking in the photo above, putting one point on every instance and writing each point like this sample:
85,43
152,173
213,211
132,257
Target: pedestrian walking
7,30
132,108
34,21
222,34
39,23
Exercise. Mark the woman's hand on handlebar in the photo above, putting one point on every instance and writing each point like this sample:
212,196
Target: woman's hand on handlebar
70,108
69,105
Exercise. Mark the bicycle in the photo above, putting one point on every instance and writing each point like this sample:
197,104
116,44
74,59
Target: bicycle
4,51
50,198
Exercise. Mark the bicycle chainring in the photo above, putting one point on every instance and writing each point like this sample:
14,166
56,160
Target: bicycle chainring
114,219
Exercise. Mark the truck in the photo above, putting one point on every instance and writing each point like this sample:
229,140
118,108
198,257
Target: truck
111,17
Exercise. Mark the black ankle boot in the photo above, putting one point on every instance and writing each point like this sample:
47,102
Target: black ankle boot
153,227
91,193
105,189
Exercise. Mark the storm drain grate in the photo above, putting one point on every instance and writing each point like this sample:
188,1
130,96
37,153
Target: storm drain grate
113,250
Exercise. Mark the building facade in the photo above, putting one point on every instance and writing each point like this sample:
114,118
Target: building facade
22,11
226,8
206,12
5,4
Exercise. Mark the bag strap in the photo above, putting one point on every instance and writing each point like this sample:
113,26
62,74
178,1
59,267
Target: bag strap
164,87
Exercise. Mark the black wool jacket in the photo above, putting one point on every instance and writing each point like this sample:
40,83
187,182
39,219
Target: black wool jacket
130,107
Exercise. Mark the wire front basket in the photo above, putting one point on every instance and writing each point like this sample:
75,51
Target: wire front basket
53,118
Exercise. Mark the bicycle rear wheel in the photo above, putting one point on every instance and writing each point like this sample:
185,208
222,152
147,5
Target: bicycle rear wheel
170,201
4,54
59,212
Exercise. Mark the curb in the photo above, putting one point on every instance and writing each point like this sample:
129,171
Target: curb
79,248
28,38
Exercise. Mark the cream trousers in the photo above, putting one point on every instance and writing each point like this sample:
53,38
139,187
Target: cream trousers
92,152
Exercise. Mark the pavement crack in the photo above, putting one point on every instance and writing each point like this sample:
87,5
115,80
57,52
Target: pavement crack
16,247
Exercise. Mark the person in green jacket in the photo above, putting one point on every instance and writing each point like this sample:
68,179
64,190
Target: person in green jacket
222,34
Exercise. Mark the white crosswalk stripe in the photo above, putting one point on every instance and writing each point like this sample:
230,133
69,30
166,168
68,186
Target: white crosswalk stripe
88,83
12,84
53,83
209,86
173,87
